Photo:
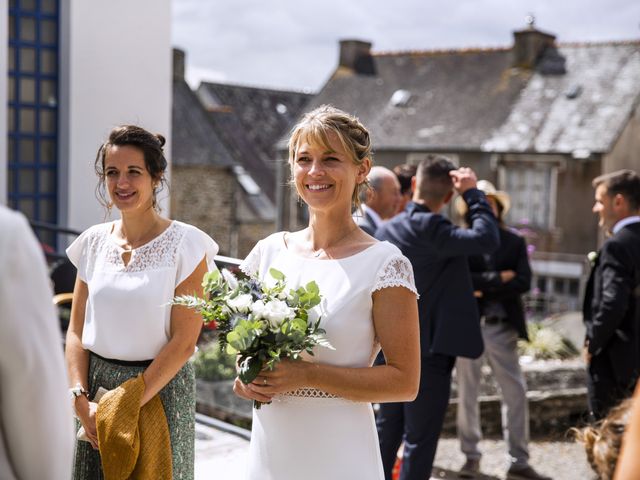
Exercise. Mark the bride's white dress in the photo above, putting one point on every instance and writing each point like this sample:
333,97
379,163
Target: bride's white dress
309,434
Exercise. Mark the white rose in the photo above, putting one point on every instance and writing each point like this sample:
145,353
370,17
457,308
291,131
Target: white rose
276,311
241,303
257,308
230,279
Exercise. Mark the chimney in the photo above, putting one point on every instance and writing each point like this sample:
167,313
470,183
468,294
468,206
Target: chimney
529,45
355,55
178,64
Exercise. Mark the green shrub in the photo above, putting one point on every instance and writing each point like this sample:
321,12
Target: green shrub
213,365
545,343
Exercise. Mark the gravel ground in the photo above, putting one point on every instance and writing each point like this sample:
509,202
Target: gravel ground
223,455
561,460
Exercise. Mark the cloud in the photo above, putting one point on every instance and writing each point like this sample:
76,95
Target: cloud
195,75
292,44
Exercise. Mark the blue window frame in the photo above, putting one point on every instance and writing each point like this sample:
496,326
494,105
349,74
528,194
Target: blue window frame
33,110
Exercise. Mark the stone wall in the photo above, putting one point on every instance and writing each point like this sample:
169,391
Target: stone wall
250,233
203,196
556,394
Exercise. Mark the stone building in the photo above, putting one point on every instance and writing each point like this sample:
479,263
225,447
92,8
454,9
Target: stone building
540,119
224,157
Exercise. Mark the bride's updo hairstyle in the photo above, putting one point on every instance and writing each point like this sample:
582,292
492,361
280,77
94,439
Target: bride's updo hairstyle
151,147
315,128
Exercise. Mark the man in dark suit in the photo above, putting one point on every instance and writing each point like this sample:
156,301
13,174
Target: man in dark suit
612,297
449,319
380,201
499,280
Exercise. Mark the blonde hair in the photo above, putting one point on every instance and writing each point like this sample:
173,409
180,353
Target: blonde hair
315,128
602,441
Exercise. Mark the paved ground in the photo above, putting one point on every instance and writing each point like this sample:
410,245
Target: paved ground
562,460
223,455
219,455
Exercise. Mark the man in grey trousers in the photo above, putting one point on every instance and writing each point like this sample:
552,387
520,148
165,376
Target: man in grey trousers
498,279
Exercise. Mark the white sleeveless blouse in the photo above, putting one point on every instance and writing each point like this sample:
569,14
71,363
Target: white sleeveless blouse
128,312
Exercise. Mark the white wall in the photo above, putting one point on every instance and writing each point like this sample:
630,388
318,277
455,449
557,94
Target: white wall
4,35
115,69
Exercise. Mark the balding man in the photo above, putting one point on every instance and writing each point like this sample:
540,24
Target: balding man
380,201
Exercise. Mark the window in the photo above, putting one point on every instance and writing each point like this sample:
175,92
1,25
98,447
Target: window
32,110
532,188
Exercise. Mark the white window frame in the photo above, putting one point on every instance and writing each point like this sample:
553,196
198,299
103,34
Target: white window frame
553,168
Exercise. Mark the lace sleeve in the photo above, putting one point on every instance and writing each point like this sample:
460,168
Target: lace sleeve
251,264
395,272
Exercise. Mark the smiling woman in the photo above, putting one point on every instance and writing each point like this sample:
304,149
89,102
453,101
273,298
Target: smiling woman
368,302
124,335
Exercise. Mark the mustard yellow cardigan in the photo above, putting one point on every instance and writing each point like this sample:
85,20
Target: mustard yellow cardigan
133,441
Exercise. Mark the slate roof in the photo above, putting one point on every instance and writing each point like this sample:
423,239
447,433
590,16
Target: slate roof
604,80
194,142
250,120
475,100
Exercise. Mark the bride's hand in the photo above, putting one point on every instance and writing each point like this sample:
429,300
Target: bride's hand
249,393
288,375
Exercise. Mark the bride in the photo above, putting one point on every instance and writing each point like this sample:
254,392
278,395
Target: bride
320,423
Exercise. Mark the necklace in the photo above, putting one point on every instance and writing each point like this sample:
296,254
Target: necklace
318,252
131,245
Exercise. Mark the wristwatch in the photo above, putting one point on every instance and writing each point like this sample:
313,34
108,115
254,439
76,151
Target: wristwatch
76,391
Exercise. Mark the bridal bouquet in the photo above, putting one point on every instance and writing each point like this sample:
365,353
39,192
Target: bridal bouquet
260,322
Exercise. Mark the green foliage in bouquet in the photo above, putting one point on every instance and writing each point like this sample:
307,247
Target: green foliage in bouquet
260,322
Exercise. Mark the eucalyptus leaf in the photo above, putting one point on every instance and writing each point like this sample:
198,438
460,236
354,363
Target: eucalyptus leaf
277,274
249,369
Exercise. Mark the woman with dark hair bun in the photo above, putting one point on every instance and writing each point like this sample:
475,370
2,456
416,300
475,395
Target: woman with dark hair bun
124,335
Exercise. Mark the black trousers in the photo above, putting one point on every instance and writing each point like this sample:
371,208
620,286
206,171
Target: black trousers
419,422
605,387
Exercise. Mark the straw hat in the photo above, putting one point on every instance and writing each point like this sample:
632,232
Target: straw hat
490,191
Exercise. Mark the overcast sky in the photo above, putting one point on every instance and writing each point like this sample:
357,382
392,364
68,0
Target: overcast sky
294,43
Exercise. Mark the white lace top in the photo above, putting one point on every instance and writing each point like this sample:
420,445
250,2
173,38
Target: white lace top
346,285
128,313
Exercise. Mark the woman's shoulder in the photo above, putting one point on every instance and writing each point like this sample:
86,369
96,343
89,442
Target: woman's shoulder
99,230
387,249
275,241
186,229
190,235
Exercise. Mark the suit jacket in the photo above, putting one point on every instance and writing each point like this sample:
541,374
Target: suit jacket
366,222
485,274
612,303
438,250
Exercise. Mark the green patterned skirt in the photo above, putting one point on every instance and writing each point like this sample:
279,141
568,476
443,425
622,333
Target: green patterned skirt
179,402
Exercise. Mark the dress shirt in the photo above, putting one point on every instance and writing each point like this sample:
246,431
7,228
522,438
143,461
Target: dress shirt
624,222
374,216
